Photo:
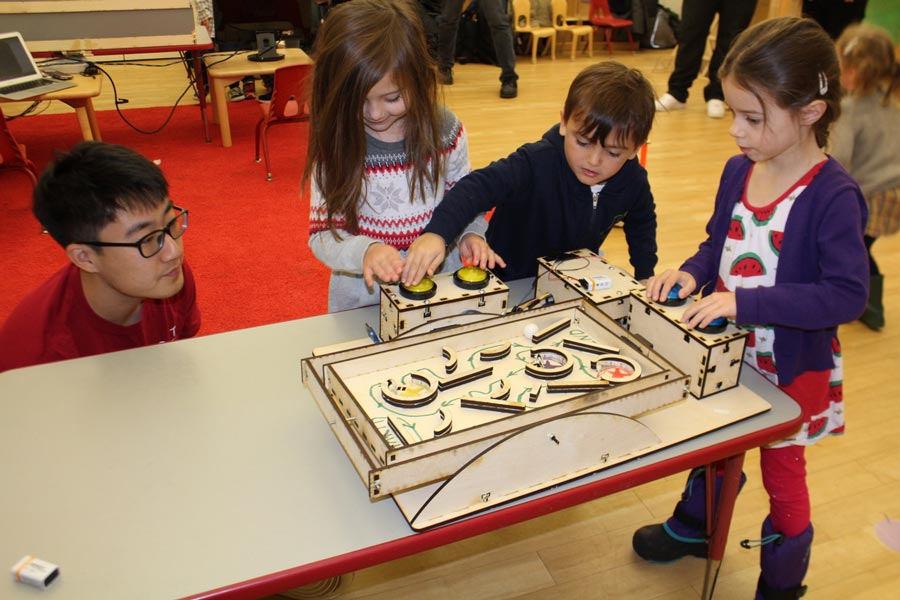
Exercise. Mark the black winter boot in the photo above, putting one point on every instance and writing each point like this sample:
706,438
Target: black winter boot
873,316
783,562
684,533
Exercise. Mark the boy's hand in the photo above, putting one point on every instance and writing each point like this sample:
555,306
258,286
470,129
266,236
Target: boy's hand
382,261
424,256
475,251
658,286
703,311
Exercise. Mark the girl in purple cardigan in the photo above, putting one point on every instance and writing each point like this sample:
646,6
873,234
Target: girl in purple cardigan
785,259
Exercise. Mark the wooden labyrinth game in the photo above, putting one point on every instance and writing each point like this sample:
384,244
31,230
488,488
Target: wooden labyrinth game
462,419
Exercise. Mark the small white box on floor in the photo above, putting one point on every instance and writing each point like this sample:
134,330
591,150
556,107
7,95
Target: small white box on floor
585,274
34,571
712,360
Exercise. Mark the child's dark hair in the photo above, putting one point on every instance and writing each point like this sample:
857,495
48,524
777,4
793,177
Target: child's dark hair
608,97
82,190
359,44
793,62
869,51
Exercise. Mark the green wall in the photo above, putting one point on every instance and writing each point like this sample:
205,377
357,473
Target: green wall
885,13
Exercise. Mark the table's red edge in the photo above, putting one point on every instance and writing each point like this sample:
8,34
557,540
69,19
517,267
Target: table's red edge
502,517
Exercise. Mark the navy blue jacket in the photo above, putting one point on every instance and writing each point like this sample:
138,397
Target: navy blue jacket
542,209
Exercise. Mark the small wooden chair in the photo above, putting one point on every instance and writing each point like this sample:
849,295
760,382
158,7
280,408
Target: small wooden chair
601,17
561,25
12,153
522,22
287,104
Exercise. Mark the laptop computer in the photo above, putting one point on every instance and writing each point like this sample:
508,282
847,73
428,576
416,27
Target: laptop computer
20,77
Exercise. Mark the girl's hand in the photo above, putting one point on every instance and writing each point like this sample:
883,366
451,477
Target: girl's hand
382,261
703,311
424,256
658,286
475,251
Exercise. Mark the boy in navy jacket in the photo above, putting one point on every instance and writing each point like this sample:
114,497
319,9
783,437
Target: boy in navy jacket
562,193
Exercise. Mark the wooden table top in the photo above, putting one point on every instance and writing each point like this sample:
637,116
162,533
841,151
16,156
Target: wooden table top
230,64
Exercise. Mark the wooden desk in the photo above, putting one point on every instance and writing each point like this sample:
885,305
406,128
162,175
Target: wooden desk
203,468
199,42
223,73
80,98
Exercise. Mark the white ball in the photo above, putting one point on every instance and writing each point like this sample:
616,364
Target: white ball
529,330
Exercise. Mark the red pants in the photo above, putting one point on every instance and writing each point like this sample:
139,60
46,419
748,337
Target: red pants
784,469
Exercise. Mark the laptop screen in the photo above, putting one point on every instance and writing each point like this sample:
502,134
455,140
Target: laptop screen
16,64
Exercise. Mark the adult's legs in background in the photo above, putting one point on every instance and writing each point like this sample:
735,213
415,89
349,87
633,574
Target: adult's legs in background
431,11
835,15
448,27
696,19
734,17
501,33
494,12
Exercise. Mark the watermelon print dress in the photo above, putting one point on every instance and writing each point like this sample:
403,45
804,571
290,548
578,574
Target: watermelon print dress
750,259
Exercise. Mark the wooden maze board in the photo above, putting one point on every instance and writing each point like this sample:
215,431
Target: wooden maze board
504,375
441,439
460,420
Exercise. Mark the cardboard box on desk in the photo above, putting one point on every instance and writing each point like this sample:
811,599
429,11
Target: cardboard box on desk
585,274
712,360
401,314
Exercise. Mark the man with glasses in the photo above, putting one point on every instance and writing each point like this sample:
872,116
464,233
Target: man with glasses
126,284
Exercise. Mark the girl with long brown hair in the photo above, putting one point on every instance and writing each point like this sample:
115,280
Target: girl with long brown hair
382,149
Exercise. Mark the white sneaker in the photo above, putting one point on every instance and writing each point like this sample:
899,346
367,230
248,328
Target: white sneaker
715,109
668,102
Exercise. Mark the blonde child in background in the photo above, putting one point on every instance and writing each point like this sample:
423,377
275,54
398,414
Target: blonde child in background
382,150
784,259
866,139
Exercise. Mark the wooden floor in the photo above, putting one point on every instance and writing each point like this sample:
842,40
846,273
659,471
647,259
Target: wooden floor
585,552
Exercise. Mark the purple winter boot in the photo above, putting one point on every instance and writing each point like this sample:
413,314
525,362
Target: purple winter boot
684,533
783,562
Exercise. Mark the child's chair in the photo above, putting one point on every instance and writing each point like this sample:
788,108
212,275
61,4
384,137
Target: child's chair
522,21
287,103
12,153
601,17
561,25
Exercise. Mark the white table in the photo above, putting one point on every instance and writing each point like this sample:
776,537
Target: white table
203,468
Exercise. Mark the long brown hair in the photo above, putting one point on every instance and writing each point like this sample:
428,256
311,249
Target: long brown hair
869,50
360,43
792,61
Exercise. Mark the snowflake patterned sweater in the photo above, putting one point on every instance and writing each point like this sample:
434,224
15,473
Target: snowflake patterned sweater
385,214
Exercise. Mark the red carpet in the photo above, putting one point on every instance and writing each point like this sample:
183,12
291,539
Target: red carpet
247,241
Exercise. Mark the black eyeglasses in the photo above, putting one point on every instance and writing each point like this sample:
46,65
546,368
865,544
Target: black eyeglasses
153,242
